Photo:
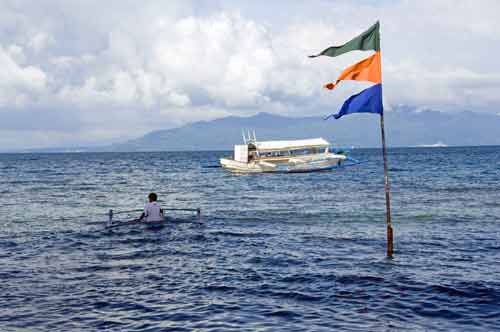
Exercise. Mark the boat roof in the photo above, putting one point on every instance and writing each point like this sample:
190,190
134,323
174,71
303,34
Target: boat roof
289,145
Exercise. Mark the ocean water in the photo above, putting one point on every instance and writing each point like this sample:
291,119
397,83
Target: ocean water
274,252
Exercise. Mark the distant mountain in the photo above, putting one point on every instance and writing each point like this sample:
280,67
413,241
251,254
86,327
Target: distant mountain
404,127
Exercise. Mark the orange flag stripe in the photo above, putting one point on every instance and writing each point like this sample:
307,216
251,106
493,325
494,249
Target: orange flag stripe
368,69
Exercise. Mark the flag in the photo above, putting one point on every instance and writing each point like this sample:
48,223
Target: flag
368,69
368,40
367,101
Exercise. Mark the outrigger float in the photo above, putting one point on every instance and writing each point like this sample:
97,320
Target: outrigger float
291,156
110,223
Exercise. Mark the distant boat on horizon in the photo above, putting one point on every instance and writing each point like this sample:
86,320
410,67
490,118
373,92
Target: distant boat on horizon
439,144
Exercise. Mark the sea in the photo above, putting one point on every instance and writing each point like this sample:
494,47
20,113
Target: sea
272,252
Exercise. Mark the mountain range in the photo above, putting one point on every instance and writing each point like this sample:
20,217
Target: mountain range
404,126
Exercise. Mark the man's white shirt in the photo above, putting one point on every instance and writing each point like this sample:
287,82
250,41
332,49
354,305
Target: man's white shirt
152,212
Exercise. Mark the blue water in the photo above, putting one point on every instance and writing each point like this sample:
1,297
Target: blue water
282,252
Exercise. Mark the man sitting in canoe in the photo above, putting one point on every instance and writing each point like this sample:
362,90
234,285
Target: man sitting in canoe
152,211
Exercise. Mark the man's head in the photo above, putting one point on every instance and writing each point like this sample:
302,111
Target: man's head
152,197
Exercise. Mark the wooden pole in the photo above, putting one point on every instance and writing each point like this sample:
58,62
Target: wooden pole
387,193
390,245
110,219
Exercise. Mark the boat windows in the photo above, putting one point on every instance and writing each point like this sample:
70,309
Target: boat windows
301,152
288,153
271,154
320,150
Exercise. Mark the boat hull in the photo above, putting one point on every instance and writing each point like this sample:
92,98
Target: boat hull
293,165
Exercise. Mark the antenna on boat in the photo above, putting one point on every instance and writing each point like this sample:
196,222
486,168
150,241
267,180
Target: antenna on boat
249,137
254,137
243,134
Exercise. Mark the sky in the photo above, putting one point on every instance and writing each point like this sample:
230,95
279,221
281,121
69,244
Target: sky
79,73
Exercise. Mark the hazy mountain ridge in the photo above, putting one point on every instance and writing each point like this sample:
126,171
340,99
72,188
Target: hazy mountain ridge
405,126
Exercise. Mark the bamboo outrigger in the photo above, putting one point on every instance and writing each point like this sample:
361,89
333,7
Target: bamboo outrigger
110,223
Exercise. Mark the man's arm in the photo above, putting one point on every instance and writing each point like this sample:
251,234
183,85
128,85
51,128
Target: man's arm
144,214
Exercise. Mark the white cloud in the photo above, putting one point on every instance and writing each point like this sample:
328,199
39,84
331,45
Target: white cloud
185,61
40,41
16,53
178,99
224,56
18,85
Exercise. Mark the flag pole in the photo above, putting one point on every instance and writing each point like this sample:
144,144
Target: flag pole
368,40
390,245
387,192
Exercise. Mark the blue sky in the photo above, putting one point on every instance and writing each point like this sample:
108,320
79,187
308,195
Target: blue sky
83,72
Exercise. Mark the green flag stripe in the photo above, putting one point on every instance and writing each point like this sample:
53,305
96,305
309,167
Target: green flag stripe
368,40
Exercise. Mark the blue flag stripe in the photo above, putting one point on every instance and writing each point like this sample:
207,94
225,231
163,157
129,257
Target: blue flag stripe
367,101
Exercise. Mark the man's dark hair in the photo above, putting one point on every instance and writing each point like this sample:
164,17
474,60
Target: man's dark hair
153,197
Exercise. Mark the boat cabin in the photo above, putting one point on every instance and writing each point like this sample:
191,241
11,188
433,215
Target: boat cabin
279,151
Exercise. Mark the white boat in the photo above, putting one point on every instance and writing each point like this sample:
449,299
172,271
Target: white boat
439,144
294,156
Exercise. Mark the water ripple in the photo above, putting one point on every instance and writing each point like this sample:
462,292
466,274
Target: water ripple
273,253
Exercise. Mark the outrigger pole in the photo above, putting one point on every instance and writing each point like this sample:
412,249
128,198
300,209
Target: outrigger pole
110,223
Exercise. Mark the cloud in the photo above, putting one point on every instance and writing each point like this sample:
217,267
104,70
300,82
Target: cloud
123,68
19,85
40,41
